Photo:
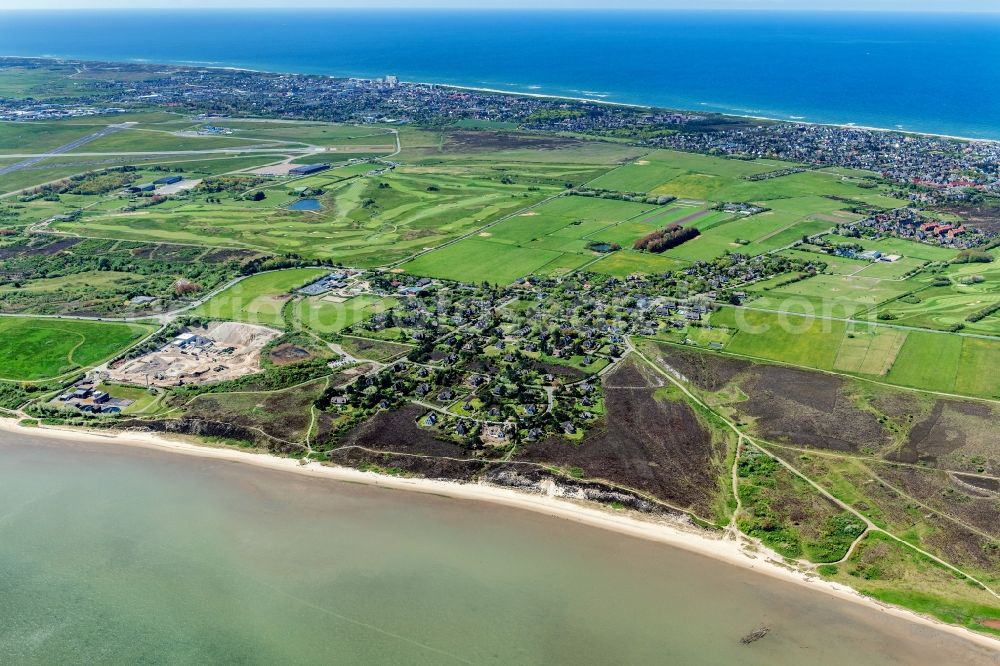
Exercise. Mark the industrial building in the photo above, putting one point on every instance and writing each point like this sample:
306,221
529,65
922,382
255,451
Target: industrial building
307,169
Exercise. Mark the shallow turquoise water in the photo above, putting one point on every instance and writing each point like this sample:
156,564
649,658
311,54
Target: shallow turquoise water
118,555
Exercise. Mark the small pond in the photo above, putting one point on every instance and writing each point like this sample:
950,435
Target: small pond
601,247
306,204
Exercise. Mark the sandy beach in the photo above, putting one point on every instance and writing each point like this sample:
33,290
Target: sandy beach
675,533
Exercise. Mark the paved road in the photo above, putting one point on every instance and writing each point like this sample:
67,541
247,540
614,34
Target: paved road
208,151
65,148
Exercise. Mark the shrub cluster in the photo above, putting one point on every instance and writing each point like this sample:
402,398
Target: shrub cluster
984,313
670,236
972,256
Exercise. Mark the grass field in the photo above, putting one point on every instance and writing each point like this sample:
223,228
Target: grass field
902,247
832,295
33,349
324,316
892,270
800,204
806,341
459,182
140,140
943,307
259,299
651,171
478,260
364,221
40,84
38,137
554,238
312,133
625,263
869,350
940,362
834,265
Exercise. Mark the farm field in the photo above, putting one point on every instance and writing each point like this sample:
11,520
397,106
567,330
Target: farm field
259,299
35,349
626,262
869,350
475,259
806,341
831,295
939,362
786,223
801,204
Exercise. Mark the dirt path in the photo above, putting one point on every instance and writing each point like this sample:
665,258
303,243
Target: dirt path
871,527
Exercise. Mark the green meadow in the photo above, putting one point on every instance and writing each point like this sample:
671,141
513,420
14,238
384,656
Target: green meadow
35,348
259,299
324,316
927,360
553,237
364,221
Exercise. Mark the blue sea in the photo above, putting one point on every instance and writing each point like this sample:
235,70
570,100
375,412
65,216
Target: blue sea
935,73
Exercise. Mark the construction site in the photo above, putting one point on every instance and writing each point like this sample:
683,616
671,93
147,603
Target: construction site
223,350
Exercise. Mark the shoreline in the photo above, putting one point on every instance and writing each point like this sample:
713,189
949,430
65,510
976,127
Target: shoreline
537,95
728,114
674,535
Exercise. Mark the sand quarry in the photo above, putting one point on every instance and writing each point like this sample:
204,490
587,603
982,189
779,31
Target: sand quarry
222,351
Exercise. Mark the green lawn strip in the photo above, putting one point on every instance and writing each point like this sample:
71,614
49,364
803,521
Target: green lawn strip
928,361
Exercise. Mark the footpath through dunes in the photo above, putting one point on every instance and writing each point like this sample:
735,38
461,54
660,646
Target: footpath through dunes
838,413
650,439
871,448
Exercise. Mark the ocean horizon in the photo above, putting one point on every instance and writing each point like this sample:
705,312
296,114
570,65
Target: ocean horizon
915,72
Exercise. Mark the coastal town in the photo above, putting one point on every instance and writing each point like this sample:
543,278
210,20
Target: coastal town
930,169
